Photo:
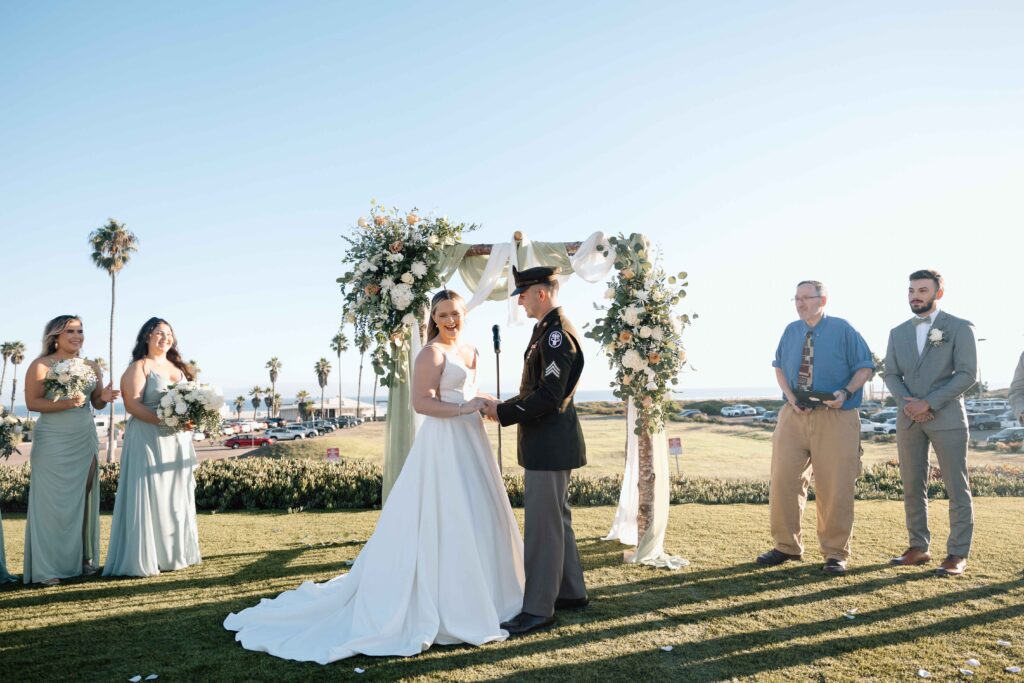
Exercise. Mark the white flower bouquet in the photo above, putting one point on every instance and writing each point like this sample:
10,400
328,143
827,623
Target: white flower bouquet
69,378
190,406
11,433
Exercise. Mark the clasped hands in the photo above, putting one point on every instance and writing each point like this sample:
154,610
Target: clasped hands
483,403
918,409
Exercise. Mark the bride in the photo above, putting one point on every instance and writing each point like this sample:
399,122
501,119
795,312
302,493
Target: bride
445,563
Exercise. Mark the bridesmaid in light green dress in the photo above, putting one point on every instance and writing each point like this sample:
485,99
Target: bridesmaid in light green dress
154,527
62,530
5,576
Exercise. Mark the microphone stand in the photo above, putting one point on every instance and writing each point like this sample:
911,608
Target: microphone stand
496,334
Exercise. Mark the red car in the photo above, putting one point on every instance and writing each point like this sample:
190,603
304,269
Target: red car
250,440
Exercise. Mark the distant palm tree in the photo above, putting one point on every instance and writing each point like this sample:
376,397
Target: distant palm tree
277,403
17,357
274,365
339,344
6,350
303,401
112,247
239,404
256,393
363,344
322,368
268,400
195,368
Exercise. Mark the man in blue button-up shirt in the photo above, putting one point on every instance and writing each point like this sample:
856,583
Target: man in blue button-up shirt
824,355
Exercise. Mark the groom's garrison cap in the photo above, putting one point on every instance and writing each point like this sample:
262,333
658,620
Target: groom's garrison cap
532,276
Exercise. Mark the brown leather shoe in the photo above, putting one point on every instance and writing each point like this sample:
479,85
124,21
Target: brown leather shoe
953,565
912,557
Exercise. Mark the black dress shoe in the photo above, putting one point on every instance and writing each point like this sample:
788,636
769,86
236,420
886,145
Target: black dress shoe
776,557
525,622
572,603
834,567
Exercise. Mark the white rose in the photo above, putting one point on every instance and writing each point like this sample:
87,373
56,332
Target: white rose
418,268
180,408
408,319
166,400
651,386
396,257
431,239
658,333
408,278
171,421
632,360
401,296
645,332
387,283
609,293
64,377
631,315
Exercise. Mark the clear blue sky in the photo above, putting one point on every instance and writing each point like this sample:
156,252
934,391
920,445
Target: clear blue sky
758,145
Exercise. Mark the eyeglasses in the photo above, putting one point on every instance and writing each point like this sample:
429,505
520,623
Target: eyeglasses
804,299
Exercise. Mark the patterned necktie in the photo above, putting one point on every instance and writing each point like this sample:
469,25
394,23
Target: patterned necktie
806,375
921,321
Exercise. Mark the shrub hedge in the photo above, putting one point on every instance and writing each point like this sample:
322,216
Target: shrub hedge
264,483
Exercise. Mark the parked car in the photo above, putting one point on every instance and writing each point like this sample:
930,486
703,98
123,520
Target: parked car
281,434
867,427
760,410
885,414
738,410
690,412
198,436
305,431
982,421
767,417
1011,434
887,427
325,425
249,441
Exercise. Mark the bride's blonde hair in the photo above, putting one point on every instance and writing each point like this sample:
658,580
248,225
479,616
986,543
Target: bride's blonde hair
443,295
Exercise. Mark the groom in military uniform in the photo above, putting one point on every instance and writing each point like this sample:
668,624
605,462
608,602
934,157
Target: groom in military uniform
550,446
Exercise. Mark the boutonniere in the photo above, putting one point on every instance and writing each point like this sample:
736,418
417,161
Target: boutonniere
936,337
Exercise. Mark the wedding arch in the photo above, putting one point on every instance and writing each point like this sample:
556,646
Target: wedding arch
399,258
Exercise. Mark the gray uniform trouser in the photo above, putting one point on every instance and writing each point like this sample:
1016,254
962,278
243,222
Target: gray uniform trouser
553,568
951,450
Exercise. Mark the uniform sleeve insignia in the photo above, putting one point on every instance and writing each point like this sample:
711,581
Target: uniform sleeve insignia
555,339
553,369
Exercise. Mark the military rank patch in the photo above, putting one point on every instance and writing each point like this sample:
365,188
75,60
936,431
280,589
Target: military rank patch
552,368
555,339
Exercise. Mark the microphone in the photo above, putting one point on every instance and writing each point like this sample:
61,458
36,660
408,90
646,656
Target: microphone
496,333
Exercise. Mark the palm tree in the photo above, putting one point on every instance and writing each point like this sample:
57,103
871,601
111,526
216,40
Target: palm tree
112,247
256,393
363,344
239,404
302,400
322,368
339,344
268,400
274,365
17,357
5,349
276,406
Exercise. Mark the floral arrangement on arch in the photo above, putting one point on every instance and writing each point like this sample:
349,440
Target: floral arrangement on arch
640,331
394,256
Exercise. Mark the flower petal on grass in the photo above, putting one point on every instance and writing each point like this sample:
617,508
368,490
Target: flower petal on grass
923,673
666,648
135,679
1012,669
1003,643
973,662
152,677
966,672
359,670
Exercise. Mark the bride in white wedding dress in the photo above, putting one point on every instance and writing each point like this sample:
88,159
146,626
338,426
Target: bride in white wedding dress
445,563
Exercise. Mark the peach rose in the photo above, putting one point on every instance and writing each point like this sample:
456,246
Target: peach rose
628,274
361,222
682,356
396,247
654,358
412,219
648,401
379,220
625,336
371,289
627,379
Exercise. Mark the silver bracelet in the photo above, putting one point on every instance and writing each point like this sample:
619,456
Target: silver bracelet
460,409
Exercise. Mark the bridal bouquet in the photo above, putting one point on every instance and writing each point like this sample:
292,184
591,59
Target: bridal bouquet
395,259
10,434
191,406
68,378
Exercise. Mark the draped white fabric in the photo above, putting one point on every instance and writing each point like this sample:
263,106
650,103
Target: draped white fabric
415,346
593,259
651,548
493,271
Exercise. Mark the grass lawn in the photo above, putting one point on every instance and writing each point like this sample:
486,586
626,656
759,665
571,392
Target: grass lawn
728,451
724,616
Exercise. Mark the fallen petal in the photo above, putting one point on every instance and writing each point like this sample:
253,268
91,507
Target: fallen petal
1012,669
1003,643
666,648
852,610
152,677
850,616
972,662
358,670
923,673
135,679
966,672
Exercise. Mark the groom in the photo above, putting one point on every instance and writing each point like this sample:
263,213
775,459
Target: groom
550,446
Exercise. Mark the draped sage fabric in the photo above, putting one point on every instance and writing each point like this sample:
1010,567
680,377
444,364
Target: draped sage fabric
62,527
5,576
400,426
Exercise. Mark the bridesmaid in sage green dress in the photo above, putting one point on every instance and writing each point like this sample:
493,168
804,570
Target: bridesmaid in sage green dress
62,530
5,576
154,527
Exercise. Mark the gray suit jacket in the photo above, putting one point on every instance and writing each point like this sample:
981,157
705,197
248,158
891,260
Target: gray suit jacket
941,375
1017,389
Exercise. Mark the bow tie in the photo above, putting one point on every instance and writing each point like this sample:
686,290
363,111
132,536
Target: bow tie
921,321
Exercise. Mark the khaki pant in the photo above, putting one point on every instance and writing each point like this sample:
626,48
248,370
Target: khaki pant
827,441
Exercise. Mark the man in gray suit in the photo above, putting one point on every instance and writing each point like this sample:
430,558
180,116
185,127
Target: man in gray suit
930,363
1017,390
